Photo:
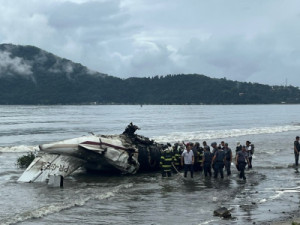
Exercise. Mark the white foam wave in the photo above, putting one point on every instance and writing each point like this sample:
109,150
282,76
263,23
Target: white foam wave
219,134
278,193
208,222
54,208
19,148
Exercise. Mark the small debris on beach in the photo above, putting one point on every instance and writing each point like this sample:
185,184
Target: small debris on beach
222,212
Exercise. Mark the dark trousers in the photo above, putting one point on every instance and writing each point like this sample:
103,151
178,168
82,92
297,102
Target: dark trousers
188,167
250,161
200,168
242,166
219,169
196,167
227,167
296,159
207,169
165,173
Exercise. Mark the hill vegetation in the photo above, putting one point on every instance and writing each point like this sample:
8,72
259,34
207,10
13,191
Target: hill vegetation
29,75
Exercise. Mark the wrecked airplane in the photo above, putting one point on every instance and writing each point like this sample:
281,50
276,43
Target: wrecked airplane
126,153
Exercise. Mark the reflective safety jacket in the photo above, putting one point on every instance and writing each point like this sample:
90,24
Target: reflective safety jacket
200,155
176,156
166,160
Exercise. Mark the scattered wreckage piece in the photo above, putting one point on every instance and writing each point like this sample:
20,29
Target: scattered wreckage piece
126,153
222,212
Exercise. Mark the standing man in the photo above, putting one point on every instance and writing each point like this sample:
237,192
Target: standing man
200,158
296,150
238,147
188,158
222,145
215,149
205,144
241,160
206,163
195,150
228,159
176,156
166,162
219,161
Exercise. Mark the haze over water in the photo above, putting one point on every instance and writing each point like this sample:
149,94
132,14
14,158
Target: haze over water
271,191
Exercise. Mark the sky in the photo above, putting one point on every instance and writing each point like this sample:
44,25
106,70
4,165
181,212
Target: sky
252,41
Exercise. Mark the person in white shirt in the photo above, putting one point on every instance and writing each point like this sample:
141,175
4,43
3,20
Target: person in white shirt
187,159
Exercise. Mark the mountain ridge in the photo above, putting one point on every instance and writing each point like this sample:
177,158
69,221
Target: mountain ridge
30,75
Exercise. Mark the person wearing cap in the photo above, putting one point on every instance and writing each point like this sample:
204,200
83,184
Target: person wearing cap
296,150
218,161
206,162
238,147
214,146
166,160
241,161
187,160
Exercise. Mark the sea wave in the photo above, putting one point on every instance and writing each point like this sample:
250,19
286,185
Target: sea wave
218,134
54,208
188,136
279,193
19,148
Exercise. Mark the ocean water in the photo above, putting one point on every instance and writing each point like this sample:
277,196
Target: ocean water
271,192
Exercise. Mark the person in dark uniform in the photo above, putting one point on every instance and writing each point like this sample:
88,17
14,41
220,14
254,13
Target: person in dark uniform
241,161
200,158
166,162
219,161
238,147
195,150
205,144
296,150
206,161
228,158
214,150
222,145
215,147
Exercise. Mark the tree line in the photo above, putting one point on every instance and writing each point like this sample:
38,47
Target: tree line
51,83
170,89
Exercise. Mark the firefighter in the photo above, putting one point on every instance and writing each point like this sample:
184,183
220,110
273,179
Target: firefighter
176,156
166,160
200,154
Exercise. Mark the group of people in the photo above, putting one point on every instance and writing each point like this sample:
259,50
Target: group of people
192,157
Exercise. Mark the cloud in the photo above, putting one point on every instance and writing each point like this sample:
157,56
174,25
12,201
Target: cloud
253,41
13,65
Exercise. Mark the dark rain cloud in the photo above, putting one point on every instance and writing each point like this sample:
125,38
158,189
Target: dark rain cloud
255,41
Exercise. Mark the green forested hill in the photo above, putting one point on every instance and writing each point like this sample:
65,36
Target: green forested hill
29,75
